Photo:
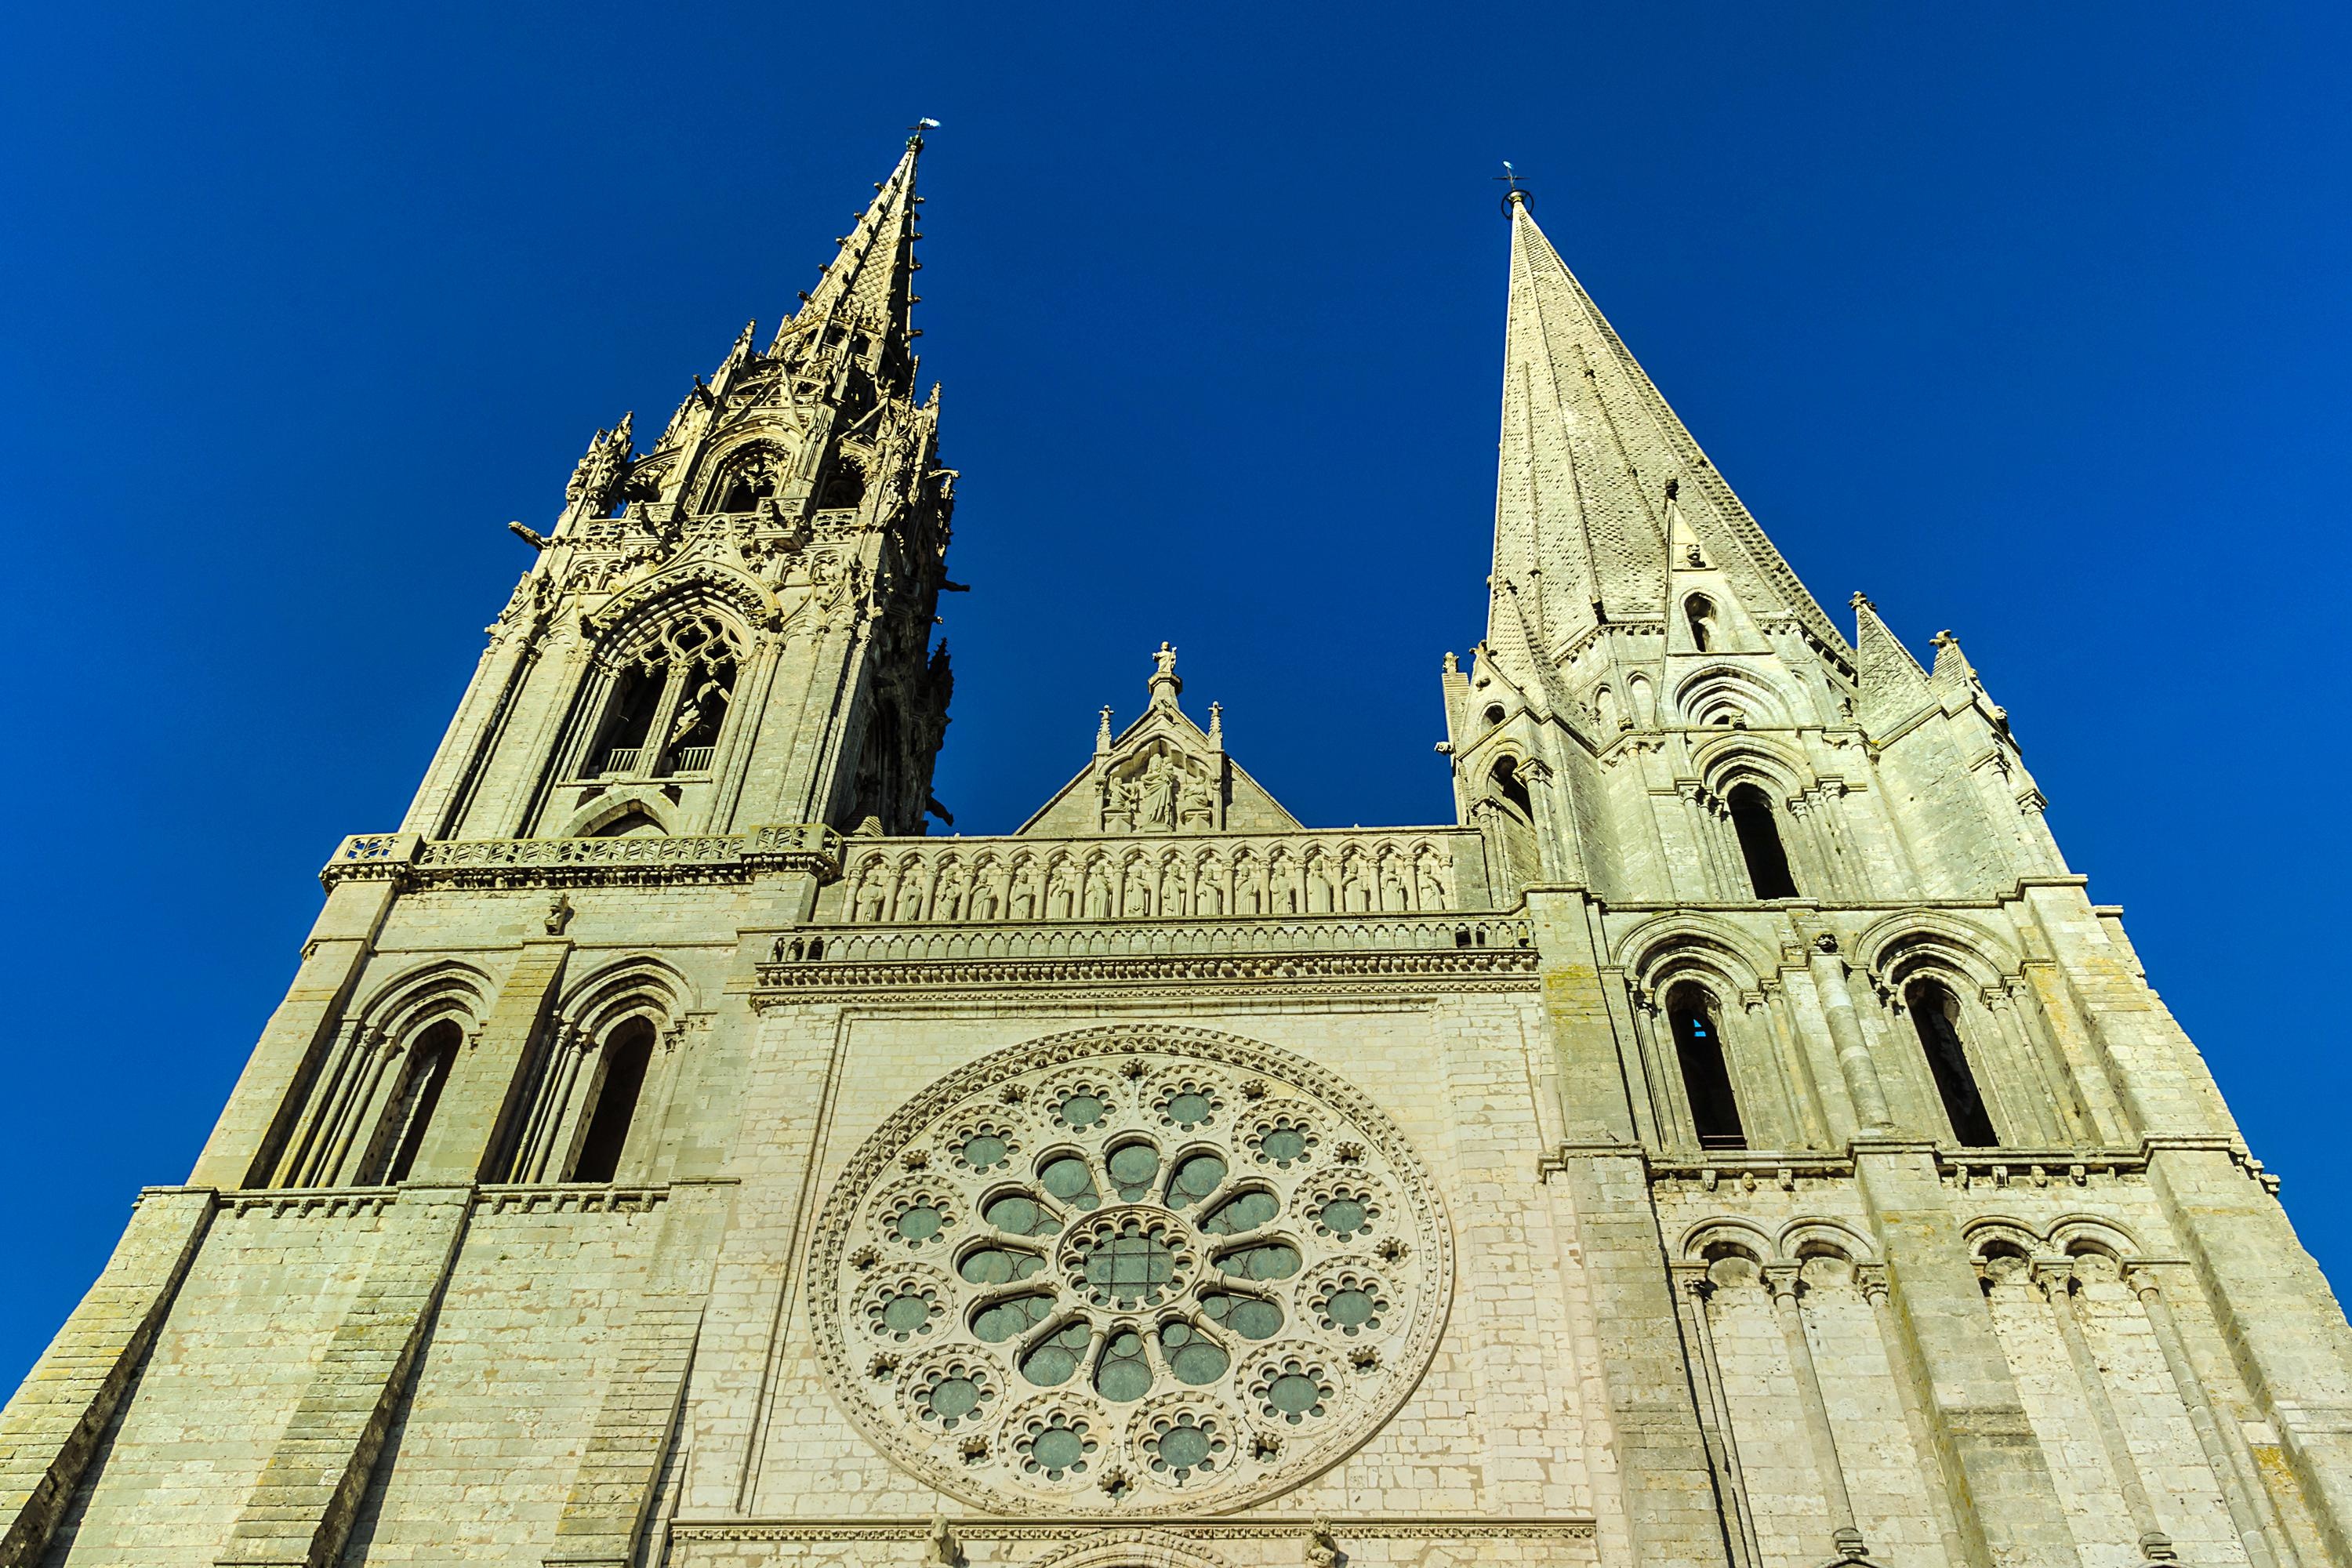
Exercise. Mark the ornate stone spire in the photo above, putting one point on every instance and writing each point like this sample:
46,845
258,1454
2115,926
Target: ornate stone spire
867,289
1592,460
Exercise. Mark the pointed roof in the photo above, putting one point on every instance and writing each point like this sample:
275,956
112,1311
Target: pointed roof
869,283
1162,733
1888,680
1591,457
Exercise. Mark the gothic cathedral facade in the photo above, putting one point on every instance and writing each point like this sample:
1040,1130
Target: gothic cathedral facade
1736,1140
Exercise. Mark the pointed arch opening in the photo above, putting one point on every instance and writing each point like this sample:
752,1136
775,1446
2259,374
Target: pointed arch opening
1760,843
669,701
1707,1073
627,1053
1509,787
409,1115
845,487
1936,1014
1698,612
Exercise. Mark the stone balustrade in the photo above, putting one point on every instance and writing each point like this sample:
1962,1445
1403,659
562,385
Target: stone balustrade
913,881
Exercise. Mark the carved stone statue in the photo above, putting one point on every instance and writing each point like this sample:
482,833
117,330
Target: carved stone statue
1196,805
1156,812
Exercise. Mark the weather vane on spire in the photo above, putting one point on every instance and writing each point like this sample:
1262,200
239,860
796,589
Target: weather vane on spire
1515,194
915,131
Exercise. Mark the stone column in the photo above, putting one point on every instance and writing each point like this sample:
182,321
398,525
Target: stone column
1698,1287
1870,1279
1941,1338
1861,1073
1845,1533
2250,1511
2055,1279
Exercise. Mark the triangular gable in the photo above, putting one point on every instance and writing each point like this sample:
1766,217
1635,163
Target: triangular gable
1163,775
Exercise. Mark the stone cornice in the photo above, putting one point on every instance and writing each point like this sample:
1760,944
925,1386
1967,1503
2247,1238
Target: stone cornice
1059,1528
1158,976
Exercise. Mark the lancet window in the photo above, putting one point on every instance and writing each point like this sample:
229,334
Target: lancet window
408,1116
627,1052
1934,1012
668,702
1707,1074
1760,843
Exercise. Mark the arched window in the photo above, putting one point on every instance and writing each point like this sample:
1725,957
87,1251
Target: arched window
627,1052
409,1114
1707,1076
630,825
669,703
1699,611
1759,843
1604,707
1937,1015
743,486
1509,788
846,488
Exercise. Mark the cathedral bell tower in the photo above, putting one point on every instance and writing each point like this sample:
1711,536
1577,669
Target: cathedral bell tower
734,627
1659,710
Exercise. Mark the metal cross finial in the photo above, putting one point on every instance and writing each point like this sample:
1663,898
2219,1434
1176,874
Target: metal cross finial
915,133
1518,195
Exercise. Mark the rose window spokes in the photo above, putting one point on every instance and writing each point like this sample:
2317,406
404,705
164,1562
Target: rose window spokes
1118,1277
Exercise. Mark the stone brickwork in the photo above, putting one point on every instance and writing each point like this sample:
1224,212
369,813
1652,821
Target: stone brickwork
1736,1140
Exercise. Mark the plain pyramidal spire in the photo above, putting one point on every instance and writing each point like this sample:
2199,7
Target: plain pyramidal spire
1597,479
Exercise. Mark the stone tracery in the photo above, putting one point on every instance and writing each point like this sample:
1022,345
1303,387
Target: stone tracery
1129,1270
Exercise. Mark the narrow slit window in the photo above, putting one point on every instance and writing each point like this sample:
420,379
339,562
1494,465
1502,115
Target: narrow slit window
627,1053
1759,843
1935,1015
1699,611
1707,1076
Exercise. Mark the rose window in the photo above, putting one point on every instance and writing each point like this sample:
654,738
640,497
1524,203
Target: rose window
1130,1271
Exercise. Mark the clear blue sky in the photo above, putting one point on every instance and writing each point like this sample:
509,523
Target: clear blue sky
2031,322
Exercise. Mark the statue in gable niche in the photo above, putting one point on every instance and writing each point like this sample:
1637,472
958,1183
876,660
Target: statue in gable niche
1120,797
1155,811
1196,805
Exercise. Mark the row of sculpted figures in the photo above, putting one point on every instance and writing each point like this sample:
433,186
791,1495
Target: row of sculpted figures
1398,874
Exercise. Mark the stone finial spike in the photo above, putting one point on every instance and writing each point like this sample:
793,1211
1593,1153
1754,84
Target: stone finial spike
1216,724
1102,732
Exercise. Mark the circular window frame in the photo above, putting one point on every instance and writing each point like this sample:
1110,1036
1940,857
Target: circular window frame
1358,1142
